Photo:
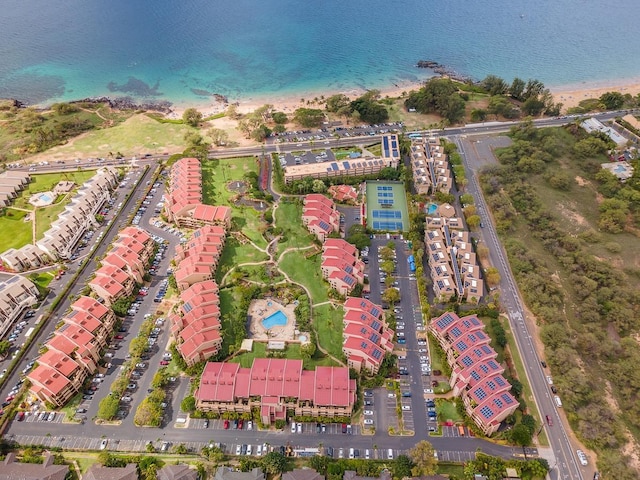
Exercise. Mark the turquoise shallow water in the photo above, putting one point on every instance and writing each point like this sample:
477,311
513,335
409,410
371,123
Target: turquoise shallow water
179,51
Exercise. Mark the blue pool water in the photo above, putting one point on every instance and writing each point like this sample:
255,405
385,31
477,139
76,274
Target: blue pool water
277,319
431,208
46,198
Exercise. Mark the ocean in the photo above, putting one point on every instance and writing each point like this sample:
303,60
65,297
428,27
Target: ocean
183,51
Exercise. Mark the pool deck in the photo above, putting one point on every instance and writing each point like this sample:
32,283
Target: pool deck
261,309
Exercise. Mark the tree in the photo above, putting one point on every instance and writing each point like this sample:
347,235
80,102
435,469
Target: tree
188,404
473,221
516,90
612,100
453,109
320,463
424,459
260,133
337,102
307,350
181,449
108,408
192,117
308,117
402,467
391,296
318,186
121,306
467,199
494,85
4,347
533,106
280,118
369,109
520,435
492,276
274,463
478,115
218,136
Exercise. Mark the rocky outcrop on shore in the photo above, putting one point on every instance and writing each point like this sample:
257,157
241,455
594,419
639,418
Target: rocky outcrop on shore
443,70
127,103
204,93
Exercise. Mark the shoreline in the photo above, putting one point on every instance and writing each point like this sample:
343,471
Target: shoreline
570,95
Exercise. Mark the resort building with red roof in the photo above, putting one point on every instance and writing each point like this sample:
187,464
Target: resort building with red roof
367,337
320,216
341,266
343,193
275,387
183,199
195,326
476,374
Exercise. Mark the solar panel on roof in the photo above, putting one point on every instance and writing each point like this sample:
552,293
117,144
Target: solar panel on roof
491,385
346,165
507,398
480,393
363,345
486,349
466,361
497,402
187,307
500,381
462,346
375,312
455,331
445,321
377,354
349,280
334,166
324,225
486,412
475,375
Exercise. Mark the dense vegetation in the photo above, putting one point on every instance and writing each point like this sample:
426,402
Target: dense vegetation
25,131
587,307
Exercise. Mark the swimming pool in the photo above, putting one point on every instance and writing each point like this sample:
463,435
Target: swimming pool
277,319
45,197
431,208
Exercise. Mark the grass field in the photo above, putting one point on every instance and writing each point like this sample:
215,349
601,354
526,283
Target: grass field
292,352
307,272
328,325
46,215
46,181
216,175
446,410
235,253
289,219
14,231
137,135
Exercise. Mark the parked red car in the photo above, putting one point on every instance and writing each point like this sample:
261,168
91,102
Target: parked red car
119,337
226,424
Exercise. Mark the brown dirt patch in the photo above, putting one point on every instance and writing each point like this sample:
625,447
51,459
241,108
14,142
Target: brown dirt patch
581,181
570,213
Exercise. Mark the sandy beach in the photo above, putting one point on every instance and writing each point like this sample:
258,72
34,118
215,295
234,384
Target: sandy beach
288,103
572,95
569,95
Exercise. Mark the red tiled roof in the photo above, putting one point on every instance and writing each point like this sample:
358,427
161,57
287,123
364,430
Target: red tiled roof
91,306
84,320
341,245
112,272
112,287
316,197
218,380
201,345
210,213
200,288
59,362
49,378
371,351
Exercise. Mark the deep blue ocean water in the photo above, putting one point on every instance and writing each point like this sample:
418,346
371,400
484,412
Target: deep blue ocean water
178,49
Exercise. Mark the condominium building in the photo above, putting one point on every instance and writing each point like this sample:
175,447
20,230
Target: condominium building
17,294
341,266
183,200
349,167
476,375
277,387
430,167
320,216
367,337
197,259
453,266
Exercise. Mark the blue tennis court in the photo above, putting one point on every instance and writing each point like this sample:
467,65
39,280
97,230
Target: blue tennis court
387,206
387,214
386,225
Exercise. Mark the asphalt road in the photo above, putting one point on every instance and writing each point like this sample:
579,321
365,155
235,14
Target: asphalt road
566,466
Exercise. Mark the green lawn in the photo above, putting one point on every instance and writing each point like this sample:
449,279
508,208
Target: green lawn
307,272
216,176
446,410
42,279
451,469
342,153
46,181
258,273
328,324
234,253
14,231
137,135
46,215
289,219
292,352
